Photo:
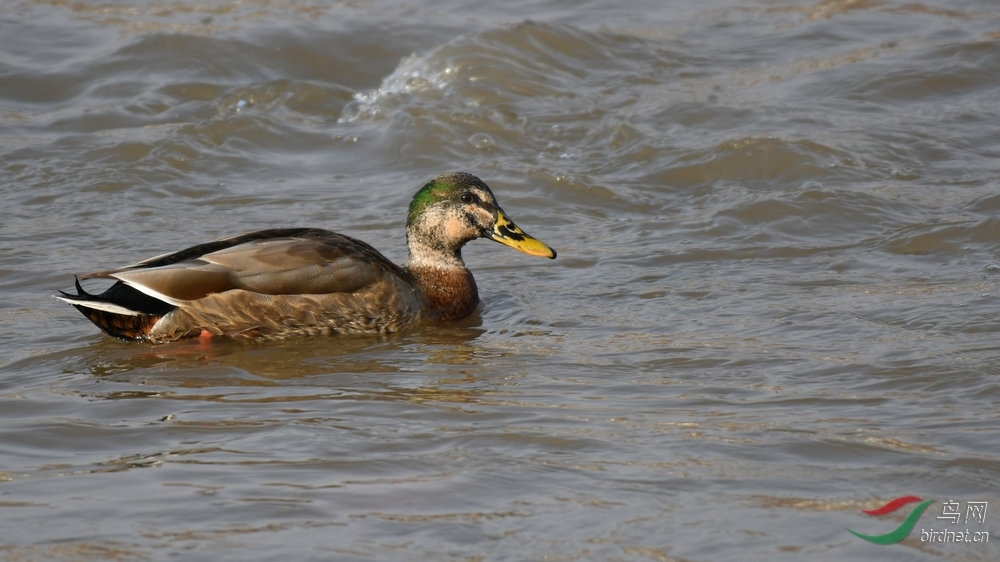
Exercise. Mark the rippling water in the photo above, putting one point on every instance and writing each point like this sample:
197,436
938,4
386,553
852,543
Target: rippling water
776,303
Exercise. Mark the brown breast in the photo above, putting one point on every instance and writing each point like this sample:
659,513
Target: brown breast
450,292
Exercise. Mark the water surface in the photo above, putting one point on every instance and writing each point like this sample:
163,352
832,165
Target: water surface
776,302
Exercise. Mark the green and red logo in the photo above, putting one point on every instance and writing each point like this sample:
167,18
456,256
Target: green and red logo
904,529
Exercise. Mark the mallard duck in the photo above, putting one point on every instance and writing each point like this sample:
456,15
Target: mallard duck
295,281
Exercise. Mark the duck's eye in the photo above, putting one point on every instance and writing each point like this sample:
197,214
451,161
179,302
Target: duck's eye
467,197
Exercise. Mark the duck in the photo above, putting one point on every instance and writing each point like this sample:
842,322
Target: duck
283,282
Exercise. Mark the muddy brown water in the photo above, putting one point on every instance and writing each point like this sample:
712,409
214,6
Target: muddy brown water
776,301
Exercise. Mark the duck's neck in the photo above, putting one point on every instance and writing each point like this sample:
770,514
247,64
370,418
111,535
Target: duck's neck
438,268
450,291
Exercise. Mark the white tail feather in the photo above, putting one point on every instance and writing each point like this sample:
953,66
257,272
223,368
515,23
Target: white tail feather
103,306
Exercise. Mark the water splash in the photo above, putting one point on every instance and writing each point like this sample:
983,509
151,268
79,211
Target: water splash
415,73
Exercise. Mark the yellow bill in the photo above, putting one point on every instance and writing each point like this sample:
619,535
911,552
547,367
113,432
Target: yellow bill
506,232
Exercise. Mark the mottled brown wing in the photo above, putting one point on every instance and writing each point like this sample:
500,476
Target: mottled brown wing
300,266
273,262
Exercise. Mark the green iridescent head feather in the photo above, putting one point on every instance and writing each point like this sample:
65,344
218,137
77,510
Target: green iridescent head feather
442,188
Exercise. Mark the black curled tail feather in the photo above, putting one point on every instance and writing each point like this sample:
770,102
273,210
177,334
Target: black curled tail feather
131,314
124,296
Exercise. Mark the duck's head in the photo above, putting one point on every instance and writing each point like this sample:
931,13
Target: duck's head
453,209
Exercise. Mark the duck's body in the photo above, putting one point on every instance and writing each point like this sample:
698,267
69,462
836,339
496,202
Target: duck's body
298,281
